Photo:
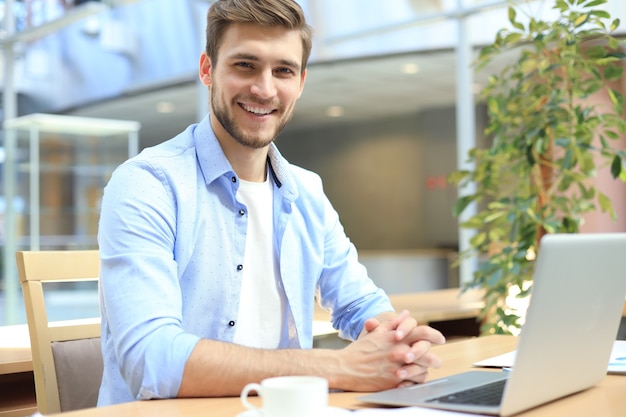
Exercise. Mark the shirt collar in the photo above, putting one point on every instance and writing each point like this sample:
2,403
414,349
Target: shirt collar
214,164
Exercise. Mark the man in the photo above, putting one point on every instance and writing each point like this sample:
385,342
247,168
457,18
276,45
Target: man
214,248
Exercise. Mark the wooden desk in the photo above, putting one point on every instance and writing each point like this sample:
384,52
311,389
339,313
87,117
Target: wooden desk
431,306
606,399
17,385
17,394
447,310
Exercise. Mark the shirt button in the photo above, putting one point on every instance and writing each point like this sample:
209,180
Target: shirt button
234,179
239,267
231,323
242,212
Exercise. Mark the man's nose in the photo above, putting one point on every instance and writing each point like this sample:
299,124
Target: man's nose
263,85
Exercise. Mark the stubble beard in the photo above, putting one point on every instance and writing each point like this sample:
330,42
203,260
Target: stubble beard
227,120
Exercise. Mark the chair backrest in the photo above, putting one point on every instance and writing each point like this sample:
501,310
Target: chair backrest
67,359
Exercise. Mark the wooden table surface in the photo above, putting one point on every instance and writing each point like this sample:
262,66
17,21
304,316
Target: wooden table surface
607,399
426,307
429,306
15,350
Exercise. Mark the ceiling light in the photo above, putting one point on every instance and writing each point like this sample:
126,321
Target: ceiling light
165,107
410,68
334,111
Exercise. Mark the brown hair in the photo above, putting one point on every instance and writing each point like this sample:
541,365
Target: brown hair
285,13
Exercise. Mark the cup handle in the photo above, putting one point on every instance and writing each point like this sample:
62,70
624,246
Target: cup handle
244,395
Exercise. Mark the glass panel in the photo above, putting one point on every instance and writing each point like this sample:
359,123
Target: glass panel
56,170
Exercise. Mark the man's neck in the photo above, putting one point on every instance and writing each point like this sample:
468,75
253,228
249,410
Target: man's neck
249,163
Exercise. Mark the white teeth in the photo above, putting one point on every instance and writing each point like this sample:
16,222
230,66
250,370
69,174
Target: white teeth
257,110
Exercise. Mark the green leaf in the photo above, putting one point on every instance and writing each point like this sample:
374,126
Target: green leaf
473,223
461,204
568,159
570,225
563,142
599,13
611,135
457,176
561,5
494,216
493,106
595,3
613,72
513,38
530,156
617,99
614,25
514,22
581,20
606,205
616,167
587,193
617,55
478,239
614,43
495,277
604,142
596,52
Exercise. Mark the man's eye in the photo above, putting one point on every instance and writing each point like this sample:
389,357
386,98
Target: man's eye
285,71
243,64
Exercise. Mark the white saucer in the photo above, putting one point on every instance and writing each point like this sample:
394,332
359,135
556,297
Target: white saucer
328,412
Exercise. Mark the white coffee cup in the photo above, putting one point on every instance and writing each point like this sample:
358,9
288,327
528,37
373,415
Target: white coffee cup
289,396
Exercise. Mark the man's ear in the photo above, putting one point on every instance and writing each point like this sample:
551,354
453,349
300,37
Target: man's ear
205,69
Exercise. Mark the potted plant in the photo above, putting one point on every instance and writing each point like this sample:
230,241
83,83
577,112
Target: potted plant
548,140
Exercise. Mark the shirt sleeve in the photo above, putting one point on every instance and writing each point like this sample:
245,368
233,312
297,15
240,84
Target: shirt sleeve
345,289
141,299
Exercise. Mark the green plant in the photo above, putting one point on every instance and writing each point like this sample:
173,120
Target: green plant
549,138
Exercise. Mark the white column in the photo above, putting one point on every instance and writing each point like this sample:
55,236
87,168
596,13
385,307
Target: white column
466,134
9,99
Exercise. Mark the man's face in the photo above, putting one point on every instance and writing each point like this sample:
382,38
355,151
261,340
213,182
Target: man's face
256,82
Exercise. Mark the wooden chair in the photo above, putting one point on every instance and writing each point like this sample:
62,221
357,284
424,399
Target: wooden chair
67,359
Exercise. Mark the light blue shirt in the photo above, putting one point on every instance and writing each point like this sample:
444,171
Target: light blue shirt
172,237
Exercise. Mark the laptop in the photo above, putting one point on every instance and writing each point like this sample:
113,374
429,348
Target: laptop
566,341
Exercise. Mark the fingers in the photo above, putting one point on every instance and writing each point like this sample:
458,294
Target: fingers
370,325
416,351
407,330
417,372
417,354
417,333
412,375
408,357
405,324
388,321
400,322
420,354
392,362
429,360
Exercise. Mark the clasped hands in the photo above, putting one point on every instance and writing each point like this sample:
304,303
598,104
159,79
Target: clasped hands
392,351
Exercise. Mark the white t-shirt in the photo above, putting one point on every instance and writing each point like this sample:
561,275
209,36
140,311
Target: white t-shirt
261,306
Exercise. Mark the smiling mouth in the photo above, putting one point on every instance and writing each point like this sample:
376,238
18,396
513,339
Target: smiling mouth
258,111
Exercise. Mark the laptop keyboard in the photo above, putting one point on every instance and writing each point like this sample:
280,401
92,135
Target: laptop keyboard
489,394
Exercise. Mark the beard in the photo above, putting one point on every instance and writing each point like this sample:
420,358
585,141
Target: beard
252,139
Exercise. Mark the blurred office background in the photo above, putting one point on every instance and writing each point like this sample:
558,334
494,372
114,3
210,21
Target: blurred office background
388,111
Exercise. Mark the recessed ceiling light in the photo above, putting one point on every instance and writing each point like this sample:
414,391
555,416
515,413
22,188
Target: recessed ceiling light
410,68
165,107
334,111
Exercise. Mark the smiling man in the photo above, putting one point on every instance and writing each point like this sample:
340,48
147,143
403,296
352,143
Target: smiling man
214,248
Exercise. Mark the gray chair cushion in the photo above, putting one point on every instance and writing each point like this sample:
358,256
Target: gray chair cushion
79,367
